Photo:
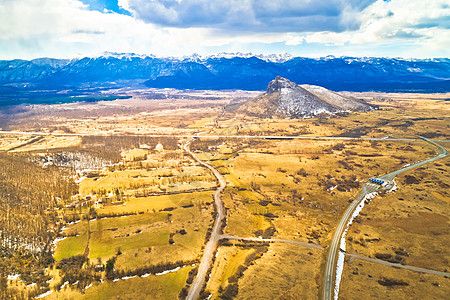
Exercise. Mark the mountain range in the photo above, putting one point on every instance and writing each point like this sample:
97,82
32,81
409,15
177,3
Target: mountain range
223,71
286,99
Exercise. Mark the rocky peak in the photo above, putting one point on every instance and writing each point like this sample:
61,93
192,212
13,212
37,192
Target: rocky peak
286,99
280,83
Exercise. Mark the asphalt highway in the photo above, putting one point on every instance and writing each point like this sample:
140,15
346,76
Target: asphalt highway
330,267
268,137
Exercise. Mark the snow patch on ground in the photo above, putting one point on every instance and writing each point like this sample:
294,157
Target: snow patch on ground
169,271
332,188
79,180
13,277
43,295
341,253
68,224
394,187
57,240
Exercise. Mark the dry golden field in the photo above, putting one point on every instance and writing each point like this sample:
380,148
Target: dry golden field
374,281
271,274
301,187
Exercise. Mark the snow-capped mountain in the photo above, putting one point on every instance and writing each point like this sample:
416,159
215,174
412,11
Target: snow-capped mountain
226,71
275,58
126,56
345,103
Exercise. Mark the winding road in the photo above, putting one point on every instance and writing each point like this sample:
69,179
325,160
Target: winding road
197,284
330,267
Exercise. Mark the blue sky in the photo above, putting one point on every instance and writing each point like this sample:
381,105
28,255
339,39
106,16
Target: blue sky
311,28
106,5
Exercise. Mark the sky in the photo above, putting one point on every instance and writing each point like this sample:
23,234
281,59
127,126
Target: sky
310,28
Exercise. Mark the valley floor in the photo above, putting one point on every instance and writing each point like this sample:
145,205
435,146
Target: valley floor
134,220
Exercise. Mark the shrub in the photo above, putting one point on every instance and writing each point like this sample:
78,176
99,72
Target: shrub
302,172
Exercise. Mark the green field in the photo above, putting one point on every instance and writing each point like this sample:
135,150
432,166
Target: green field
165,286
133,204
73,245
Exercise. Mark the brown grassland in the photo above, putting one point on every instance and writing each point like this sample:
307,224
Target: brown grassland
374,281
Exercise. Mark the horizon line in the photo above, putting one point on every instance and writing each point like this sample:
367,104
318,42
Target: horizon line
216,55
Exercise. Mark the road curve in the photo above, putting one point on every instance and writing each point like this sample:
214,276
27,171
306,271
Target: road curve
330,267
442,153
197,284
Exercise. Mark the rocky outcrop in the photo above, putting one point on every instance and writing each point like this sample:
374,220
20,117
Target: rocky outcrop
286,99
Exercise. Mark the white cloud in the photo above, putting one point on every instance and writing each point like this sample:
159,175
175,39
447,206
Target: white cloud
397,19
251,15
123,4
421,24
30,28
37,28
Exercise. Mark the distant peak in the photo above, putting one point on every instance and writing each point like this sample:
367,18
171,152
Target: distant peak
126,56
277,58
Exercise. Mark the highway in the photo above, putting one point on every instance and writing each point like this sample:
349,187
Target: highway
330,267
197,284
267,137
328,286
